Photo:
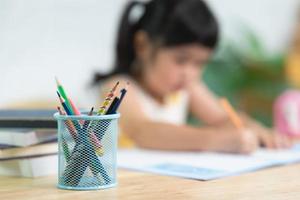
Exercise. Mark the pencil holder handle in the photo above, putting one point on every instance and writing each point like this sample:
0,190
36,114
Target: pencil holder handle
87,151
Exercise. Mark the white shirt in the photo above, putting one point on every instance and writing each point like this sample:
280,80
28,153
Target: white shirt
174,110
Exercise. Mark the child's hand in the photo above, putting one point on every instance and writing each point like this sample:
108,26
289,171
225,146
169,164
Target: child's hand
267,137
247,141
232,140
271,139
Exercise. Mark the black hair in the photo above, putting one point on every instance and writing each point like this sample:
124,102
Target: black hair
171,22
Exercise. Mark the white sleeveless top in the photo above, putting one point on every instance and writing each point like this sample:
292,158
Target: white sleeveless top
174,109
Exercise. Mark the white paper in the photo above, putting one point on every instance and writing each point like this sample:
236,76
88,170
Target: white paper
203,165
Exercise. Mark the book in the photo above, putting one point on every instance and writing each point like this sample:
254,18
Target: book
30,166
6,146
26,137
27,118
30,151
204,165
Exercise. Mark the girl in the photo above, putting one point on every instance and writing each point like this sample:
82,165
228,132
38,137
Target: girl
161,53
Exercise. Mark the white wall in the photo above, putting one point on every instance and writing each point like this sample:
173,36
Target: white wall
273,20
72,38
42,39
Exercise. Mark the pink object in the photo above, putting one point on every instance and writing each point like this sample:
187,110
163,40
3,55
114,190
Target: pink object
287,113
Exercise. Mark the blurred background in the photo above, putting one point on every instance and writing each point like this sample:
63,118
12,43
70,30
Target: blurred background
257,59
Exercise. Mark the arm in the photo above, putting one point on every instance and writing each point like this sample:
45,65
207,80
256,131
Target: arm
165,136
205,106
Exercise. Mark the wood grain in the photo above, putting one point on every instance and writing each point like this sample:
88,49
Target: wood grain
276,183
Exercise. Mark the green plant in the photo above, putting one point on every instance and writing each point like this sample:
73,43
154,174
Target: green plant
247,75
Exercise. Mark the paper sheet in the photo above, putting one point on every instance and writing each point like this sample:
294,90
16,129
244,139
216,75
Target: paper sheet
204,165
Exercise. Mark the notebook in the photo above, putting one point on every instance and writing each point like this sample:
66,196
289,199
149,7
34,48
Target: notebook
26,137
27,118
204,165
30,166
30,151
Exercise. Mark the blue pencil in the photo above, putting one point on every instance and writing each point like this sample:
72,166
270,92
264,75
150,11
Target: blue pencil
116,106
63,103
117,101
112,106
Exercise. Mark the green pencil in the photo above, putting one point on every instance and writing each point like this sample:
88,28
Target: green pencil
62,92
66,149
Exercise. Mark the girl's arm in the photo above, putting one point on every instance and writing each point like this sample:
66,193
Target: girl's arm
206,107
166,136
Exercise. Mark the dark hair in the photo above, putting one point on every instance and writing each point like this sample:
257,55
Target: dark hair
171,22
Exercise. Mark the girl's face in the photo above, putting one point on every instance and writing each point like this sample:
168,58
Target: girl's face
171,69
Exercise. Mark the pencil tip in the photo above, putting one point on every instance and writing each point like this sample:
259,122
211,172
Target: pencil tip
59,110
57,81
115,87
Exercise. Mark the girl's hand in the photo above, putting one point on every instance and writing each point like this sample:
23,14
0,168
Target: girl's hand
267,137
271,139
231,140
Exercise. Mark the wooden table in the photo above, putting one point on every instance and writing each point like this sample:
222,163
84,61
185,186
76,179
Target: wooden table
275,183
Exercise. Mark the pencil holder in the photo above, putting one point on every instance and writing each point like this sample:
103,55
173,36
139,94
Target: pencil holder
87,151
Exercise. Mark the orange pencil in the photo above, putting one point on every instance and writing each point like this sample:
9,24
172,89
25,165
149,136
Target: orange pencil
69,124
236,120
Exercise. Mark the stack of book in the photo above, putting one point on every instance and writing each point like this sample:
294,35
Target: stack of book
28,143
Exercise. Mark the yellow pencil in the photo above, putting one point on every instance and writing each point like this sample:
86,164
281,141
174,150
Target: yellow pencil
107,100
236,120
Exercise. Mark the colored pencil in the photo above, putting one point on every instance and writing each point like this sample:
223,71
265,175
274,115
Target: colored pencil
107,100
63,103
70,126
236,120
87,122
62,91
74,108
122,95
110,110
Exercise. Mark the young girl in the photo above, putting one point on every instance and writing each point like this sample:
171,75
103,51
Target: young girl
162,53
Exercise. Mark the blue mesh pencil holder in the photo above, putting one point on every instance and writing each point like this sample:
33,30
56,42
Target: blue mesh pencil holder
87,151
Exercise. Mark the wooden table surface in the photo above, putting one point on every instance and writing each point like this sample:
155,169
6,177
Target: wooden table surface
274,183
